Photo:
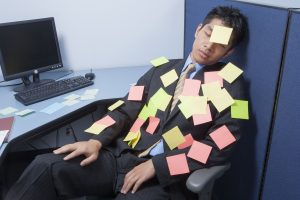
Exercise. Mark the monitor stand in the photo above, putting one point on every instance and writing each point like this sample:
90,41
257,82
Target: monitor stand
28,85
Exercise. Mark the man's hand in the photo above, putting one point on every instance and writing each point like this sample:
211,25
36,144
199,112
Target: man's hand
137,176
90,149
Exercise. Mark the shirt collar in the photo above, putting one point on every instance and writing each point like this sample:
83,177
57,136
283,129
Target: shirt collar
189,61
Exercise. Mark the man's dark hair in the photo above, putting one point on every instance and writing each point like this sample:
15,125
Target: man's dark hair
232,17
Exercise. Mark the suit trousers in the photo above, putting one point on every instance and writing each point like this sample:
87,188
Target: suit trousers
49,177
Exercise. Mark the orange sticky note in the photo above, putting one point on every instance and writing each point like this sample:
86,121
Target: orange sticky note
153,123
202,118
106,121
210,77
191,87
199,151
188,141
137,125
136,93
178,164
222,137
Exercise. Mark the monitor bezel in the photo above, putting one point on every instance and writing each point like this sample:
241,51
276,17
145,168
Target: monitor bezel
39,69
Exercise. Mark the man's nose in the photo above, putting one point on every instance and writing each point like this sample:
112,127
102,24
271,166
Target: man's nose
209,45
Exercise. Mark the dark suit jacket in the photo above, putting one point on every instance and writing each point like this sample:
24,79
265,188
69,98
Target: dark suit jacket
112,137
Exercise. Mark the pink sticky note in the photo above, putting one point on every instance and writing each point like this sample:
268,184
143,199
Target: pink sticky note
153,123
199,151
191,87
213,77
137,125
188,141
201,119
178,164
136,93
222,137
106,121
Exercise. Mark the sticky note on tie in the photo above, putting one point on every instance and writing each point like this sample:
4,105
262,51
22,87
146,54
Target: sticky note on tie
210,77
211,89
106,121
220,35
191,87
173,137
222,137
116,105
188,141
239,110
137,125
136,93
169,78
202,118
177,164
95,129
199,151
222,100
161,99
230,72
159,61
153,124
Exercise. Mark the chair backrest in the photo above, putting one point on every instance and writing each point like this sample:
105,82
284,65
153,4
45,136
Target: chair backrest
260,57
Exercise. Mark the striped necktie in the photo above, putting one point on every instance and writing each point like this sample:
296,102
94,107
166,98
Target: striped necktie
179,87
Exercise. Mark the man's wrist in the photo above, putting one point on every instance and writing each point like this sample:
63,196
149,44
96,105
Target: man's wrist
97,143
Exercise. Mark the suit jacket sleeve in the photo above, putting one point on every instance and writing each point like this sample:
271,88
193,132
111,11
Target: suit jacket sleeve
217,156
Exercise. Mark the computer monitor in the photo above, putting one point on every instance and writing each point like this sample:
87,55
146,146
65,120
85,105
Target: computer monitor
29,48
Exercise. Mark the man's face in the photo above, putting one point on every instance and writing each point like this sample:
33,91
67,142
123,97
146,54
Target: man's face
205,52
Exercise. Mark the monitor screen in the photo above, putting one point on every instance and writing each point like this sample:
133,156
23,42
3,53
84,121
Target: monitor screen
28,47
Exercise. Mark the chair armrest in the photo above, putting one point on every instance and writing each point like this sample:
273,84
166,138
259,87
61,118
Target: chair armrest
200,178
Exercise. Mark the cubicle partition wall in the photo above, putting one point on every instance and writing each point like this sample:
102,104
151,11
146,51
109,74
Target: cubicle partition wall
260,57
283,170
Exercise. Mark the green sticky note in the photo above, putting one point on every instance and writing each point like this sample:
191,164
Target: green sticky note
239,110
159,61
161,99
144,114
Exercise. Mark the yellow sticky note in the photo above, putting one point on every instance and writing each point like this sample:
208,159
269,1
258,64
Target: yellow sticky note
220,34
152,109
159,61
95,128
169,77
144,114
161,99
116,105
192,105
173,137
211,89
230,72
136,140
131,136
222,100
239,109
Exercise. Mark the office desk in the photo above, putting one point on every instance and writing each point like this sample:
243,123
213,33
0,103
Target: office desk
111,82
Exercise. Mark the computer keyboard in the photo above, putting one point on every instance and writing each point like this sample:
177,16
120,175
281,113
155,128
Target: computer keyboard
52,89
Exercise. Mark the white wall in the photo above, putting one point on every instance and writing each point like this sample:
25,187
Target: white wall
108,33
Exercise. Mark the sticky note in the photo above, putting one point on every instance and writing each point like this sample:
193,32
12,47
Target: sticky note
177,164
169,78
147,111
91,92
211,89
153,124
86,97
173,137
191,105
96,129
222,137
106,121
161,99
136,93
70,102
202,118
134,142
159,61
72,97
199,151
191,87
239,110
222,100
137,125
6,123
116,105
53,108
213,76
8,110
25,112
131,136
188,141
220,35
230,72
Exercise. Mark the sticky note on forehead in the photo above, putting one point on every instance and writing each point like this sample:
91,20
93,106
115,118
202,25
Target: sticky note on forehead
221,35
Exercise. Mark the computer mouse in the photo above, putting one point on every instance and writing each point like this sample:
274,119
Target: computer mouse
90,75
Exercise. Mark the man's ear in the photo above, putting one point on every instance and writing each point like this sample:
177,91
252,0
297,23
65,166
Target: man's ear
228,53
198,29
